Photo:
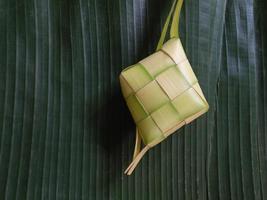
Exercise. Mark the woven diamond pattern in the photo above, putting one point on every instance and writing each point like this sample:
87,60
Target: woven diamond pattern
162,92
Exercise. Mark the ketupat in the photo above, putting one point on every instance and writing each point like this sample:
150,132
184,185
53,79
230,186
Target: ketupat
162,91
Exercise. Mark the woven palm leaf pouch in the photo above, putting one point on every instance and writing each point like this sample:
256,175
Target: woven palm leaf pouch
162,91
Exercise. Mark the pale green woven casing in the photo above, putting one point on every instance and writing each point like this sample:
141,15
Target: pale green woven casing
162,93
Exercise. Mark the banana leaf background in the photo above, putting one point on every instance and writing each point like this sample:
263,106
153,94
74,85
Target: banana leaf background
65,130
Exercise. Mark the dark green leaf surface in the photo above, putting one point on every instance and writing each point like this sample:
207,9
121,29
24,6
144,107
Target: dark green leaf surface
66,133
